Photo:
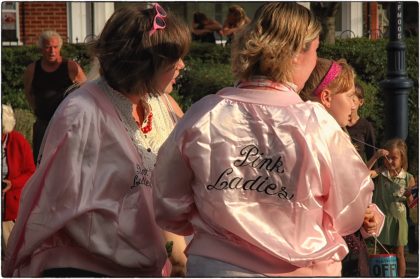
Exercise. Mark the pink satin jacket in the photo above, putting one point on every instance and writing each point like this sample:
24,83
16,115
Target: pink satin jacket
89,203
264,180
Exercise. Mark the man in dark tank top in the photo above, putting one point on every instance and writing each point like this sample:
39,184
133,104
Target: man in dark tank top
46,81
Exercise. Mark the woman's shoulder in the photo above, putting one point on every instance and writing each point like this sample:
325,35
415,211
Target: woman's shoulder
316,113
17,136
81,105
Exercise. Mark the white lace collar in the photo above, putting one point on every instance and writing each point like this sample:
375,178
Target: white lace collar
124,108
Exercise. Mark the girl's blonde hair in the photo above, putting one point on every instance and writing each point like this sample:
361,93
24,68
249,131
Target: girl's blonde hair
399,144
8,120
238,14
342,83
266,46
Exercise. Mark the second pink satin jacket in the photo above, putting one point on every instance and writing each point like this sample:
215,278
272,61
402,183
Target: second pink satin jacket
264,180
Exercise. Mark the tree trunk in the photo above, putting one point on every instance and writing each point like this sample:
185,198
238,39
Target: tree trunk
329,30
325,12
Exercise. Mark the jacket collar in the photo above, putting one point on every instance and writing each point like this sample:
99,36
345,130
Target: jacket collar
279,97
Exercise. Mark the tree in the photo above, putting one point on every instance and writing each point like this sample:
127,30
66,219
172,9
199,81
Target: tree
325,12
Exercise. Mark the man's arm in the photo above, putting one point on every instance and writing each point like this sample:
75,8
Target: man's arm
27,85
76,73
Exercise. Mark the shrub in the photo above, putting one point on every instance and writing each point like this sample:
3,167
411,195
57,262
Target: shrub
208,70
199,80
24,123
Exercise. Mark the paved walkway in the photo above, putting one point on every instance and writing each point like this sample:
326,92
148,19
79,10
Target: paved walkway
412,265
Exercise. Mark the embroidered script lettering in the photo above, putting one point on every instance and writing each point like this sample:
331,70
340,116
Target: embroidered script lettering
141,178
251,157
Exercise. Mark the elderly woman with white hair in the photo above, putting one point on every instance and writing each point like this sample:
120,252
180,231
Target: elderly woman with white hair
17,166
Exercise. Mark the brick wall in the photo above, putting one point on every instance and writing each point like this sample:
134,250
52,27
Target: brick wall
35,17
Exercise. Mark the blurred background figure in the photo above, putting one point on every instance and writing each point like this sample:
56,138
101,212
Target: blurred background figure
203,28
235,20
17,166
45,82
393,192
360,129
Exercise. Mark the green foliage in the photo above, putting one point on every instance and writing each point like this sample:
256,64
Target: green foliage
208,70
169,247
24,123
209,53
199,80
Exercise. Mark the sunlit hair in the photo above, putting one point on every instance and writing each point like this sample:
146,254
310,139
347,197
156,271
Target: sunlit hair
8,120
267,45
359,91
341,84
130,59
238,14
399,144
48,35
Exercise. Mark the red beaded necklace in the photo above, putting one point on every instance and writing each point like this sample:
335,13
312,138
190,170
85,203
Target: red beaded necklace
148,126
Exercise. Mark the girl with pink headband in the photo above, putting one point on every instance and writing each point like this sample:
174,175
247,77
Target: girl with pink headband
332,84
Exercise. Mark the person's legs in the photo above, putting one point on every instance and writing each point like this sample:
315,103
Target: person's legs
399,250
39,129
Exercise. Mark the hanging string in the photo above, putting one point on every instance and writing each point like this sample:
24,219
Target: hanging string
377,241
375,247
376,148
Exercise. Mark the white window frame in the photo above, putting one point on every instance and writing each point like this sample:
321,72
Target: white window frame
16,11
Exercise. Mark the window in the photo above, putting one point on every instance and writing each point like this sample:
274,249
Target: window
9,22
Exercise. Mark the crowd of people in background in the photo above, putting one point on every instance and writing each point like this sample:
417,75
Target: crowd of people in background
206,30
277,175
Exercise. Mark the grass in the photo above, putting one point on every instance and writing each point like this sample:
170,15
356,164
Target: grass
24,123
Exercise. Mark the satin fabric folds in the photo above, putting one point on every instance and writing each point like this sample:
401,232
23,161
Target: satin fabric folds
264,180
84,207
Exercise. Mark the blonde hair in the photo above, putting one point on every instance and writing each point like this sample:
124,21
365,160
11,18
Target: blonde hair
238,14
8,119
342,83
399,144
267,45
48,35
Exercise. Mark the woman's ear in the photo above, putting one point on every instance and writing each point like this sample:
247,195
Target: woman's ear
297,58
325,96
361,101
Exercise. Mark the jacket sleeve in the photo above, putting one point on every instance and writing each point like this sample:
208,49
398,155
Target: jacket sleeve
26,163
49,199
172,193
348,191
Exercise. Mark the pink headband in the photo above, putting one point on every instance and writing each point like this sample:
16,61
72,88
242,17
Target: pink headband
332,73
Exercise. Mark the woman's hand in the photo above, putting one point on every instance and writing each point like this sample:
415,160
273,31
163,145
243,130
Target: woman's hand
177,257
8,185
381,153
369,222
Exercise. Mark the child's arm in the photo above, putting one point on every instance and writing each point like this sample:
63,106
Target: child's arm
407,192
378,154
